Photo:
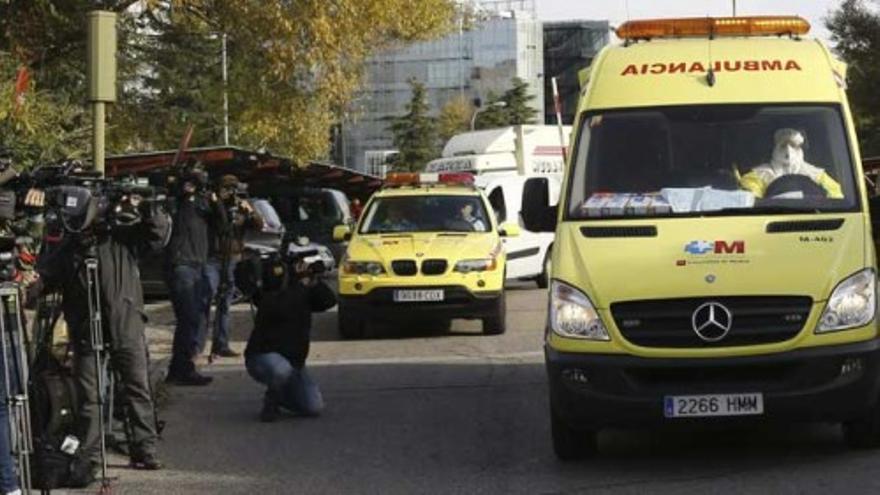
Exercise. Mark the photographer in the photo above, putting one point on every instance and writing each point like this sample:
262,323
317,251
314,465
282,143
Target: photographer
115,243
225,253
195,212
279,345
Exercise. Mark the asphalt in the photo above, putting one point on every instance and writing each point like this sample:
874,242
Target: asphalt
409,411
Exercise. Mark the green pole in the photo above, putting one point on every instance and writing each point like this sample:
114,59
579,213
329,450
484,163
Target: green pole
98,111
101,77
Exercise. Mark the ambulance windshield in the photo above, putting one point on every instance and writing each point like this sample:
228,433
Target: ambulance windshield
434,213
712,160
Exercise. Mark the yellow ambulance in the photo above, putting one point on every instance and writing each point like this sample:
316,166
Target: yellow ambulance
426,250
713,259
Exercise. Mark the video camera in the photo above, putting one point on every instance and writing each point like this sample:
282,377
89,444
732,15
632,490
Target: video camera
268,271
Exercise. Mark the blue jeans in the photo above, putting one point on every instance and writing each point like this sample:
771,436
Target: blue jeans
220,337
8,478
186,287
293,387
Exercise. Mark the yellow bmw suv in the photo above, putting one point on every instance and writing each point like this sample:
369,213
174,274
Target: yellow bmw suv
426,250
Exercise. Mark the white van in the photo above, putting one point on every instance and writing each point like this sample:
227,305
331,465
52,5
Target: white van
502,166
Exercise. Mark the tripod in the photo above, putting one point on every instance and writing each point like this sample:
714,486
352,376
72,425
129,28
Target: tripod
96,333
13,346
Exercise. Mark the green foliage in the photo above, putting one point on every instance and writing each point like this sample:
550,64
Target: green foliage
294,67
516,111
415,133
855,33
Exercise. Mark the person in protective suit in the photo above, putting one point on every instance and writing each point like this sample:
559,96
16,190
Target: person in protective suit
62,266
788,159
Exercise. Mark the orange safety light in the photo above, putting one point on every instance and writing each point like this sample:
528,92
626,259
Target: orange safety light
402,179
714,26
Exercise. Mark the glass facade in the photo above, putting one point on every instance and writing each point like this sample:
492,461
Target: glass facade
569,47
471,63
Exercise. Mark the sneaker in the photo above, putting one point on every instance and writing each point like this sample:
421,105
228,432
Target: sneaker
225,353
194,379
271,411
146,462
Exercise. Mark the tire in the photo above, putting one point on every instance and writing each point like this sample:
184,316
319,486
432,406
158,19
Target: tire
350,326
543,280
864,433
570,444
497,324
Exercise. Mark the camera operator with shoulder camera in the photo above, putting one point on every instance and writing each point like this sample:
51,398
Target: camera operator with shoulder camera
225,252
195,211
112,232
279,345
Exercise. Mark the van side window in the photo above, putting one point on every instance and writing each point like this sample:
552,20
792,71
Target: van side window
496,199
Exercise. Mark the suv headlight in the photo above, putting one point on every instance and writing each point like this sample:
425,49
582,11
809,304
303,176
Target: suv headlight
482,265
573,315
852,304
363,268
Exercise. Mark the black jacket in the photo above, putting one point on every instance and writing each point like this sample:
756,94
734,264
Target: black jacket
284,321
193,217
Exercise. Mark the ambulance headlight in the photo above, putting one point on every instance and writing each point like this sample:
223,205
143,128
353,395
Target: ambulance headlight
853,303
572,314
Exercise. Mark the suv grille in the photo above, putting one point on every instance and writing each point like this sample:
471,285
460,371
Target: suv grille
404,267
668,323
434,267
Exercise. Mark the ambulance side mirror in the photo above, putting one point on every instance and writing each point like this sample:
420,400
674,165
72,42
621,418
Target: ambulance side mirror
341,233
538,213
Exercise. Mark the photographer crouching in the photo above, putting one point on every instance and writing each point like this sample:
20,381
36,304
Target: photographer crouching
279,345
225,252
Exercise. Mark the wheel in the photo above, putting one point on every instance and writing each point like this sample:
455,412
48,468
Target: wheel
543,279
350,326
864,433
496,324
570,444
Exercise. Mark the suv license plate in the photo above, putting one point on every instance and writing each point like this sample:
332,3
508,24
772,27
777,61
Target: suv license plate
698,406
418,295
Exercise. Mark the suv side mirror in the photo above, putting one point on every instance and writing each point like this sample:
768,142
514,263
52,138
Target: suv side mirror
341,233
508,230
538,213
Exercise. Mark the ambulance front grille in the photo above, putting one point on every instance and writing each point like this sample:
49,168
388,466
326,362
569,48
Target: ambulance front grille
669,323
405,268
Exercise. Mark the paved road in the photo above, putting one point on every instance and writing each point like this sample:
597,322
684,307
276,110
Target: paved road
411,412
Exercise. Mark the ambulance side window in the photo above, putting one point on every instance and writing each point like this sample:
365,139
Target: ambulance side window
496,199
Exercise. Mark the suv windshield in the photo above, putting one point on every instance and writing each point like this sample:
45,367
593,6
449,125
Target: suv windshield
712,160
426,214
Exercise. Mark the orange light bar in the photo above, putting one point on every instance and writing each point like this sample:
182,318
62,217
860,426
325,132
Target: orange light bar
402,178
714,26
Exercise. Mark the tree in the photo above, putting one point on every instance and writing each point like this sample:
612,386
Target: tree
855,33
455,118
519,110
294,66
415,133
516,111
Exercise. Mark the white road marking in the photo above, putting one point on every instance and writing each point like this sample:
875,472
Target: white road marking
529,356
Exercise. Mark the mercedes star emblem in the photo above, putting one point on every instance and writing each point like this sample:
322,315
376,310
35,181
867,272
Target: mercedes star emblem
712,321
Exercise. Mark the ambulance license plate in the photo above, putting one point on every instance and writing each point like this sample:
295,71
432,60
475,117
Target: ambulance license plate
418,295
698,406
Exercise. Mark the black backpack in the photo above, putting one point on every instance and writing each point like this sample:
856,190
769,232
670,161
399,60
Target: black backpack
55,407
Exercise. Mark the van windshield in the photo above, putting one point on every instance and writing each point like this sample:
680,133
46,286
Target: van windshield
712,160
446,213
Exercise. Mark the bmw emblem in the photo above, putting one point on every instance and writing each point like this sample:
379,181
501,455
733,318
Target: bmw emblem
710,279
